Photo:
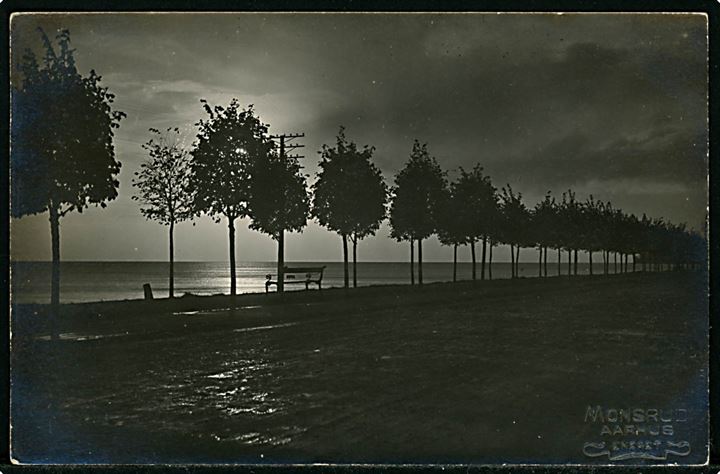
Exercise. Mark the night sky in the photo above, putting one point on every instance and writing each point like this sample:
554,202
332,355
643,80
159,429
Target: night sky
610,105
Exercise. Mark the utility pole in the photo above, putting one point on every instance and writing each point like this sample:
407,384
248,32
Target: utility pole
284,148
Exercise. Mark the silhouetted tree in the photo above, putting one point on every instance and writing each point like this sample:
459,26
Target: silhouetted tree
515,225
63,157
450,227
279,200
413,212
609,234
163,187
477,208
229,141
349,196
593,228
570,218
544,221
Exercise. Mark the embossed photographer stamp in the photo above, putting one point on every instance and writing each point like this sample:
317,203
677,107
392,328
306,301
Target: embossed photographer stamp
637,433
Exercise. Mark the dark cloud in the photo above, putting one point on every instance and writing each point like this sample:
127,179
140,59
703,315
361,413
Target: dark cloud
609,104
665,156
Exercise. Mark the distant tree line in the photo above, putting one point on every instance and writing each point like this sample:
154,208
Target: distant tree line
471,211
64,160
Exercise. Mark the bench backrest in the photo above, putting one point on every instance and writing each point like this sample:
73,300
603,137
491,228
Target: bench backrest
303,270
304,273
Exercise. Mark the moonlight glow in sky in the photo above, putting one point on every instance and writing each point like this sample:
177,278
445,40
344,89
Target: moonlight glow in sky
610,105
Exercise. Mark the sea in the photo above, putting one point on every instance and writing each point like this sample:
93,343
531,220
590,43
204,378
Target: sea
114,281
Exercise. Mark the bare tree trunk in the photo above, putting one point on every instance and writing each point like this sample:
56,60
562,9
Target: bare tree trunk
608,261
484,252
354,242
512,261
559,261
490,261
412,261
55,275
540,262
575,252
233,284
346,274
455,262
472,252
172,261
634,261
569,262
281,261
517,261
615,264
590,258
420,275
545,264
605,262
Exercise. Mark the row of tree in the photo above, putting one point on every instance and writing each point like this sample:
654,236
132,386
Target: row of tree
63,160
235,171
470,210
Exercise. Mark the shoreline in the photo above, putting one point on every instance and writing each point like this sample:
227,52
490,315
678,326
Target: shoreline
88,282
30,319
360,288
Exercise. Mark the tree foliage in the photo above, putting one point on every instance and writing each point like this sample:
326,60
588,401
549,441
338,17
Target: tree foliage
278,199
229,140
545,226
476,200
164,188
515,218
350,194
63,125
450,226
419,188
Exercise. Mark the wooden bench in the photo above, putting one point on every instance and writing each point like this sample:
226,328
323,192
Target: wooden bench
301,275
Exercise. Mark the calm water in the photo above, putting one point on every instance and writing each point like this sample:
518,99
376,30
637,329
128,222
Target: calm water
96,281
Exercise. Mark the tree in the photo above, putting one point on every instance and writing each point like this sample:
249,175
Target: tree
593,229
163,185
349,196
544,221
63,157
515,225
476,201
418,189
570,220
279,200
229,141
450,228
